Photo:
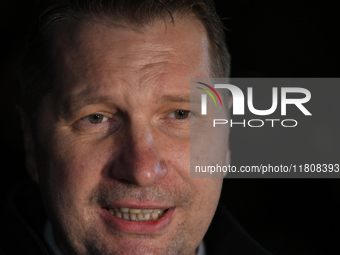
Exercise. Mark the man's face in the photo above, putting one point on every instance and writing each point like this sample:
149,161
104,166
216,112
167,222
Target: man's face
114,141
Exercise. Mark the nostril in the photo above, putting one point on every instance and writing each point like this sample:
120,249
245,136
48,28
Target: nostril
160,169
124,181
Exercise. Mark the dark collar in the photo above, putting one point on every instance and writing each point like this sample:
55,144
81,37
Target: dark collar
226,236
22,221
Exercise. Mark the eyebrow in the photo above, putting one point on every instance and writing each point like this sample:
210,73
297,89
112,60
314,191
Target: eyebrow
77,103
73,103
180,98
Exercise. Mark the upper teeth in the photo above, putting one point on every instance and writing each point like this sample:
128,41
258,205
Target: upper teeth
136,214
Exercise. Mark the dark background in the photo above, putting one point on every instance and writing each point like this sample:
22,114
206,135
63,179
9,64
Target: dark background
266,39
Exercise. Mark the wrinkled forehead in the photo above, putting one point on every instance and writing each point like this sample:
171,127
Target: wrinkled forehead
92,40
83,48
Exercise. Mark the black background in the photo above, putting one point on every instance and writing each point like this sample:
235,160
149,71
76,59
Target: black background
266,39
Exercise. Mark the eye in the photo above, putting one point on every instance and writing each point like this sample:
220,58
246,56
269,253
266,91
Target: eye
95,118
179,114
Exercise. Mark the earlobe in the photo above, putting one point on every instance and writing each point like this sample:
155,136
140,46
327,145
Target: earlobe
29,145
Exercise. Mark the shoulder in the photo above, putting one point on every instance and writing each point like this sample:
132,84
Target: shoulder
226,236
22,220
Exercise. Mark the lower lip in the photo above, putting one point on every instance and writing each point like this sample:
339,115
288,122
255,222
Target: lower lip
138,227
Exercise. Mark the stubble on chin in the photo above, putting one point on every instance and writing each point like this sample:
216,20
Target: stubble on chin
92,242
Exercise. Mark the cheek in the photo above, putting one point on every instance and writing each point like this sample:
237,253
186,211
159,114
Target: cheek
177,156
209,149
205,191
209,191
73,166
207,194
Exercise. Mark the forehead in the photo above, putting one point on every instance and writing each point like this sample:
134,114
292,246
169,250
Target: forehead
96,57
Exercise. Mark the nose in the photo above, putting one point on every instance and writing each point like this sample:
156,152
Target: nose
139,161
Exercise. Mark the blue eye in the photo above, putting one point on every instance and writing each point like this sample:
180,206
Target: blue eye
95,118
179,114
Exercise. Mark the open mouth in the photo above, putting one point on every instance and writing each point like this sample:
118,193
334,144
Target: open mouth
135,214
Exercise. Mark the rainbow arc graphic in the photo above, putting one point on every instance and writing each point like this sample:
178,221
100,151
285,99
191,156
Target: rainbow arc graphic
204,97
209,93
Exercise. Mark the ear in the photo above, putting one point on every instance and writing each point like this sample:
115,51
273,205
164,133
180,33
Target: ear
29,145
